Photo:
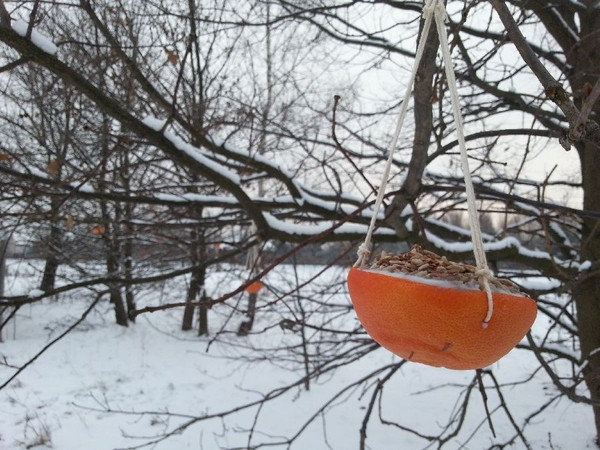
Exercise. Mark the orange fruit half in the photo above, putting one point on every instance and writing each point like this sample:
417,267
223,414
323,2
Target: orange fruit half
254,288
438,325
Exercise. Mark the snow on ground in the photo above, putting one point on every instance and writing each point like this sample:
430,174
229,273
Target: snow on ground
105,386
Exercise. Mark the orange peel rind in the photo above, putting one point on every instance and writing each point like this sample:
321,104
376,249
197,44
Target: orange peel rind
436,324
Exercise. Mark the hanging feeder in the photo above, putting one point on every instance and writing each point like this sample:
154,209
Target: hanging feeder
254,288
421,306
98,230
435,318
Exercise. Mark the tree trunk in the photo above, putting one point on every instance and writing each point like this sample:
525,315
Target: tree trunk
188,312
53,245
112,233
587,293
198,254
423,114
50,269
587,298
203,315
112,255
116,298
52,252
3,248
128,273
246,326
585,56
128,239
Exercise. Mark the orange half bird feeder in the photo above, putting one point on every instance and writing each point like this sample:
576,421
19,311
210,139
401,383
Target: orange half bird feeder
438,320
254,288
423,307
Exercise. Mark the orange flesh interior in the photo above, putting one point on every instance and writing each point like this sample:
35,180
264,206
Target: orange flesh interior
438,326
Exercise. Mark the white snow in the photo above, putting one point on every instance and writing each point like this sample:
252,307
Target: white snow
331,205
37,38
79,186
507,242
580,5
194,197
537,283
526,207
311,230
560,232
37,172
309,195
83,187
255,156
195,152
35,293
428,281
431,282
456,229
559,17
105,386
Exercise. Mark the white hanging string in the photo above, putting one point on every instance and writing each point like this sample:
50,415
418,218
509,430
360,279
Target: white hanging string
436,9
483,270
364,250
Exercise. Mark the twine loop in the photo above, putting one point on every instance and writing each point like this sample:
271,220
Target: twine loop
434,7
434,10
363,252
484,276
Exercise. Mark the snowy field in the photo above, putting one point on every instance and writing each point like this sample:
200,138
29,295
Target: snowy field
104,386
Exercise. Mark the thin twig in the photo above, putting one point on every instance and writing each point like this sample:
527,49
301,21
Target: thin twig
578,131
338,145
32,16
589,103
378,391
14,64
55,340
568,391
504,406
484,397
314,238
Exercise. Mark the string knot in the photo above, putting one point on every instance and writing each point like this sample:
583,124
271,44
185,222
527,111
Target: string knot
484,275
429,8
434,7
363,252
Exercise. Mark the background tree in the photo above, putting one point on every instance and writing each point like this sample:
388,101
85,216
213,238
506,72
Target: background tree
175,92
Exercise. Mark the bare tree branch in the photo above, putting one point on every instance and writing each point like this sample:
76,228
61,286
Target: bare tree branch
590,130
